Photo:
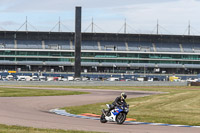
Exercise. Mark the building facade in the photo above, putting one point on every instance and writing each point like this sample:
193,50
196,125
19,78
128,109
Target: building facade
101,52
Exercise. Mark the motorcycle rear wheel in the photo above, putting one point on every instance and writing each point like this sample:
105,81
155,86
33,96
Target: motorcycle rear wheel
102,118
121,117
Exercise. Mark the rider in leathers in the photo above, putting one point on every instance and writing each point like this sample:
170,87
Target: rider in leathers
118,102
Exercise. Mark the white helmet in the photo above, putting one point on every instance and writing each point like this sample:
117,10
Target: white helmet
123,95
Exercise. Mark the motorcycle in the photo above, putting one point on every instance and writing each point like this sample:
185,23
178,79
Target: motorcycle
118,114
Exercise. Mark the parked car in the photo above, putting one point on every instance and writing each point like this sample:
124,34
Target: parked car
10,77
21,78
113,79
192,80
35,78
42,78
70,78
49,78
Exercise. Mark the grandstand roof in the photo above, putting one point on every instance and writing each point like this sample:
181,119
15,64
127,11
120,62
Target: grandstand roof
100,37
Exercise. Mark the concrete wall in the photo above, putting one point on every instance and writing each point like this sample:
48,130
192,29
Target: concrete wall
93,83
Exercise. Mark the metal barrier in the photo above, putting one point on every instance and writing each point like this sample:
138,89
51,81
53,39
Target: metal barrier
93,83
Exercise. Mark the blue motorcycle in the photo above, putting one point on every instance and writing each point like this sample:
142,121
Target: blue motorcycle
116,115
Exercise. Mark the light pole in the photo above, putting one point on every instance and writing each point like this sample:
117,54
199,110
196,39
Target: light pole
144,71
114,68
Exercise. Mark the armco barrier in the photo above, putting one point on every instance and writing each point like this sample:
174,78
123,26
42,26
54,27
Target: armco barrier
195,83
94,83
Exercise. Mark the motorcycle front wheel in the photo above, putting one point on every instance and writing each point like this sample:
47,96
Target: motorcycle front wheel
102,118
121,117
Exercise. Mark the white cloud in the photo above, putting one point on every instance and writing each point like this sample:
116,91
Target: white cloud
174,16
60,5
108,14
8,23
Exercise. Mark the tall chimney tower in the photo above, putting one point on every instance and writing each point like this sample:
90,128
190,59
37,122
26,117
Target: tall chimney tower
77,43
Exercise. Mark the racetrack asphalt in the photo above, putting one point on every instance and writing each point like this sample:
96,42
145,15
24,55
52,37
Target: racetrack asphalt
34,112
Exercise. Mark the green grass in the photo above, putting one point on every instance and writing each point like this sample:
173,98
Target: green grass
19,129
181,105
19,92
141,88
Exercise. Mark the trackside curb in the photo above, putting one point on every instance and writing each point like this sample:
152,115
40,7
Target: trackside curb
64,113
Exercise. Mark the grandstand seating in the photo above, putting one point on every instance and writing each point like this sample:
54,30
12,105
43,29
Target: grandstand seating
57,44
133,46
29,44
140,46
113,46
102,45
196,48
167,47
187,48
191,48
89,45
6,43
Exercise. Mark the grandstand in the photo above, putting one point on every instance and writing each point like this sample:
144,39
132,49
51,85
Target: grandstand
101,52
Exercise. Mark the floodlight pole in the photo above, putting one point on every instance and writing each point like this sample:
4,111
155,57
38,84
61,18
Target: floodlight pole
125,26
157,27
59,25
189,27
26,24
92,25
77,66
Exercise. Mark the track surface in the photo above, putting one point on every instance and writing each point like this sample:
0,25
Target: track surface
34,112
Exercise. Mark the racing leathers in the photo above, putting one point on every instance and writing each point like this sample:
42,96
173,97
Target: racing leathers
118,102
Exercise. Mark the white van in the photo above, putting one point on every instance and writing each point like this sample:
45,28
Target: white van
113,79
142,79
49,78
42,78
35,78
21,78
70,78
10,77
28,78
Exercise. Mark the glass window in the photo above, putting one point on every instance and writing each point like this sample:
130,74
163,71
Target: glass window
67,54
87,54
144,56
9,53
10,59
21,53
21,59
43,53
31,59
32,53
133,55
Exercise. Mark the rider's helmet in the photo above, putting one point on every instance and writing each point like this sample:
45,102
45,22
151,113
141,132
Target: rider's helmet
123,95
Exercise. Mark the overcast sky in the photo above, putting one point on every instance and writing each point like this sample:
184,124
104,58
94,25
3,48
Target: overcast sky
109,15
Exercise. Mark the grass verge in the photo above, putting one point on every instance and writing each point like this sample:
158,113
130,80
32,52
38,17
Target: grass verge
19,129
19,92
180,106
142,88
